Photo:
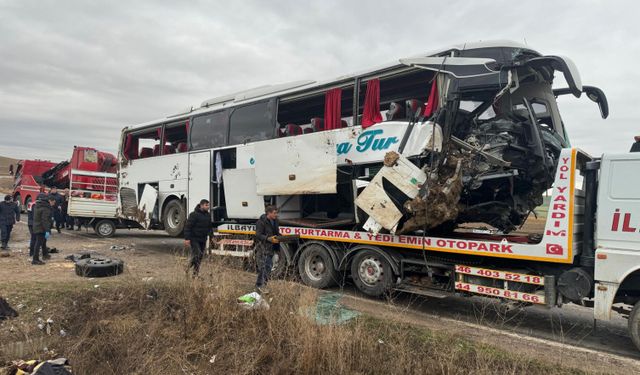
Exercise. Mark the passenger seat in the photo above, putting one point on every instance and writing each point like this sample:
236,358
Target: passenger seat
146,152
396,112
293,129
317,124
413,106
182,147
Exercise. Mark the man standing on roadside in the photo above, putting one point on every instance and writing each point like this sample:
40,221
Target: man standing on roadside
42,223
267,228
57,208
9,214
196,230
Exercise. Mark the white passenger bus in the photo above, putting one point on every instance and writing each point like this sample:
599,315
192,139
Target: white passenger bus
311,147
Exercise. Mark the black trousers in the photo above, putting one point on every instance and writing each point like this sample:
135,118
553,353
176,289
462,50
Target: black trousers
41,245
197,253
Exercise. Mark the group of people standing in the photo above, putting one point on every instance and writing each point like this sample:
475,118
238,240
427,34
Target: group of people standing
199,226
49,211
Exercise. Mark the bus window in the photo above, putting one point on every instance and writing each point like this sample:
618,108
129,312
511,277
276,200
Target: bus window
142,144
400,94
253,122
175,138
306,115
209,131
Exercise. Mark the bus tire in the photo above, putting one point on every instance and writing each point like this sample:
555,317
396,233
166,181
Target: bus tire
99,267
316,267
105,228
634,325
174,217
372,273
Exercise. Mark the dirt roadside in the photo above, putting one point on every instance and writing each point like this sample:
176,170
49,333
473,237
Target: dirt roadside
155,255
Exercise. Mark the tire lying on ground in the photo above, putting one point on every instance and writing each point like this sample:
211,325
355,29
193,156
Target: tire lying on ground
99,267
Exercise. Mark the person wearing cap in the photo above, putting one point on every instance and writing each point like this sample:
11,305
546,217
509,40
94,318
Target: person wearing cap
42,223
9,214
635,147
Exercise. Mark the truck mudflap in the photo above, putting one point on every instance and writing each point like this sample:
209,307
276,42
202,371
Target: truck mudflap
501,284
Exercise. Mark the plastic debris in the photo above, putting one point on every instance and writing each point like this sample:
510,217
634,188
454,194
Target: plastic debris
213,359
96,286
63,333
117,248
252,301
330,311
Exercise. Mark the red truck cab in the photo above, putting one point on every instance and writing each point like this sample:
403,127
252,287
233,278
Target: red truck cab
27,180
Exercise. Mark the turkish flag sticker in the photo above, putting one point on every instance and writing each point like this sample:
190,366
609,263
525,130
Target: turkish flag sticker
554,249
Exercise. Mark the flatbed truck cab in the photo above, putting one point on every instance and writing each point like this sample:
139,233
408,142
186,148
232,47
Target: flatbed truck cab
617,239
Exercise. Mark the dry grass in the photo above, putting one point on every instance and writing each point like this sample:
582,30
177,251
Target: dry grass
192,327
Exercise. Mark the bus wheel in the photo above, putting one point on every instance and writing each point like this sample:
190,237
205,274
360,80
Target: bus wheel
105,228
371,273
316,267
174,217
634,324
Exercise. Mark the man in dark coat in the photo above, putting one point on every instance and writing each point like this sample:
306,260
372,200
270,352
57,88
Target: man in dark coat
9,214
267,228
196,230
635,147
32,241
42,224
57,207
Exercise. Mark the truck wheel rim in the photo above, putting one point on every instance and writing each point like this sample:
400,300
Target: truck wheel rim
314,267
275,260
105,229
370,271
174,217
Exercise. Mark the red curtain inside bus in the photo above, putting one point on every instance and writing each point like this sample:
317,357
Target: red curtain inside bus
432,103
371,113
332,109
131,147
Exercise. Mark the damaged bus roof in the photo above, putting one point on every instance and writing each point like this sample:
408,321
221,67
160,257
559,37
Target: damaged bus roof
309,87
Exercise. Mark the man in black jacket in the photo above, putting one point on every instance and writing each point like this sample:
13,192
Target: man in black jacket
267,228
9,214
196,230
42,224
57,207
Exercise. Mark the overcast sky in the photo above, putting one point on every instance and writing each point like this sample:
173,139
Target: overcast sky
77,72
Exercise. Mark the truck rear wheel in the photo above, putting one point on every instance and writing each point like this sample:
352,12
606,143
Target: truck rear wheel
316,267
174,217
634,324
105,228
372,273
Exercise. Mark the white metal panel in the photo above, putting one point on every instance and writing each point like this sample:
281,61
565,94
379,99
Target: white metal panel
618,217
147,204
296,165
200,170
245,156
242,200
373,200
87,207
